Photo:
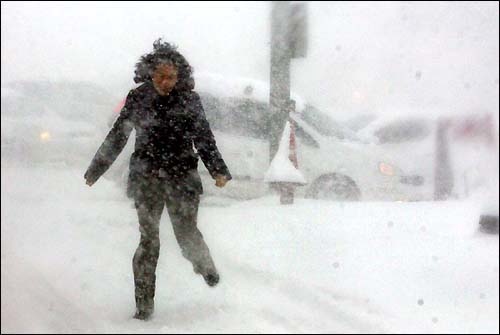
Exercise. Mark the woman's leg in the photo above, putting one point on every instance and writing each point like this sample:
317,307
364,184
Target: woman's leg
149,203
183,212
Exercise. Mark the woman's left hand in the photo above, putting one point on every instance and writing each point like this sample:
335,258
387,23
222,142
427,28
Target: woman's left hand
220,181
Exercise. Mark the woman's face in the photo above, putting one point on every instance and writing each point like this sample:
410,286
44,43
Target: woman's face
165,78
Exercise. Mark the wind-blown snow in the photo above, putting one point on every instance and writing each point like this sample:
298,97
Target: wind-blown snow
314,266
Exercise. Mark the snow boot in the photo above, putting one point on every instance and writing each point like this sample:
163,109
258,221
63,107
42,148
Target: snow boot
145,308
211,279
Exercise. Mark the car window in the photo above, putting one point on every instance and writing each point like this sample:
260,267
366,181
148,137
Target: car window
303,136
248,117
327,126
73,100
237,116
403,131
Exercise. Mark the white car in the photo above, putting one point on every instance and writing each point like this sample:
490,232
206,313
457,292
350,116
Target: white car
336,163
465,153
47,122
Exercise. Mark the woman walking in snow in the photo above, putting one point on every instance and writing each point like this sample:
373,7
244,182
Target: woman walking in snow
169,119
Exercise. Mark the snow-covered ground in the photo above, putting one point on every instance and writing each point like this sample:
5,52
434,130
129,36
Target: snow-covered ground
313,267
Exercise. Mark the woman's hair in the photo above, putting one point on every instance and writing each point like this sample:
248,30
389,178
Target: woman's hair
165,53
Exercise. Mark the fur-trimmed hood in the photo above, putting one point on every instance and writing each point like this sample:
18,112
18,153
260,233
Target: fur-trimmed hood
165,52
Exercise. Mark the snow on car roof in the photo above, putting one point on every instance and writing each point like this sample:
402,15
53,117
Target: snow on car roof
243,87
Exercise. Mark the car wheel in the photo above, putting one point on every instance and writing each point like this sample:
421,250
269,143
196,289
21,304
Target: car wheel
334,186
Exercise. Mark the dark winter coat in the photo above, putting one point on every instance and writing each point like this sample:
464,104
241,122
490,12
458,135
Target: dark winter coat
166,129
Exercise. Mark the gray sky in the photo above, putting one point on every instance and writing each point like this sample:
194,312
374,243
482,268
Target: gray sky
397,57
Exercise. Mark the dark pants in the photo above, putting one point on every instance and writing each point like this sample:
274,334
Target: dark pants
182,197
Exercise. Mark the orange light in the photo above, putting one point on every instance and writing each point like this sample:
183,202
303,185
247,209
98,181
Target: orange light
45,136
386,169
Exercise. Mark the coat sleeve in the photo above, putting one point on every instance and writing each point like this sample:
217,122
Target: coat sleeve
114,142
204,141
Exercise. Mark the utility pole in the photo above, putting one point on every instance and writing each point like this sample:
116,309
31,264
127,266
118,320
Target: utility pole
443,173
288,40
279,94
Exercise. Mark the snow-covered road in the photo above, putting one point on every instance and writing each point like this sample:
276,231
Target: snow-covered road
310,267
